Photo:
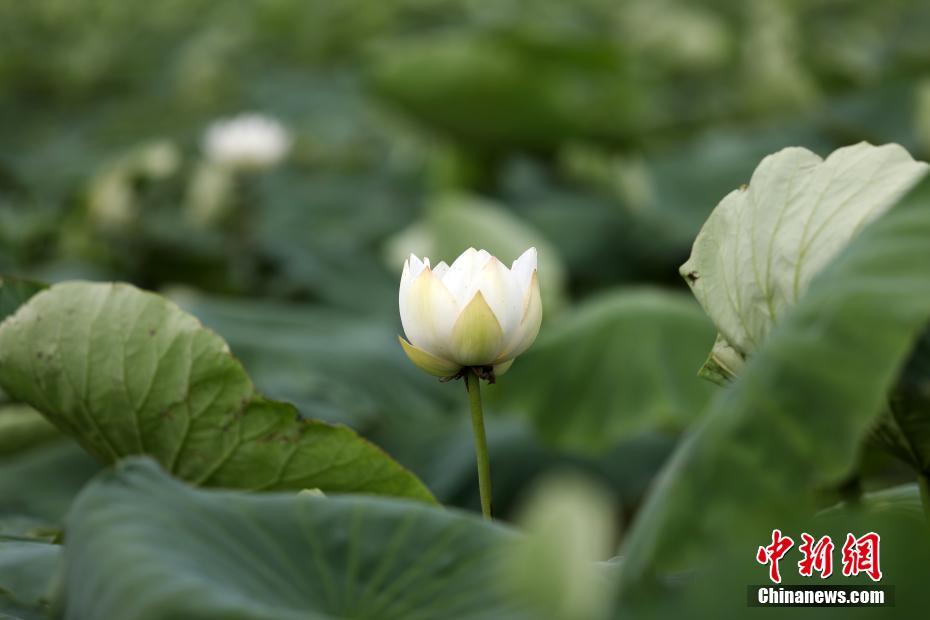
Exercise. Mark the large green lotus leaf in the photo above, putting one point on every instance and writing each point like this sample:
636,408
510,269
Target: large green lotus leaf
794,419
141,545
342,366
127,372
762,245
621,365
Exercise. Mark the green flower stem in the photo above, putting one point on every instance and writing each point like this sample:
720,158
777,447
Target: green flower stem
481,441
923,481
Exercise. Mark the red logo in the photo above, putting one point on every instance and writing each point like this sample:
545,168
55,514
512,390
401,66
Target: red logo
817,556
773,553
860,555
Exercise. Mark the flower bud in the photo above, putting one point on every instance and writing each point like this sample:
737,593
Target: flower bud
474,313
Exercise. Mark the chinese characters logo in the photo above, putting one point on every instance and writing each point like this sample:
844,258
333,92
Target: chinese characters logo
859,555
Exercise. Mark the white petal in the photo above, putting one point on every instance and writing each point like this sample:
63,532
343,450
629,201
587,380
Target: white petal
440,269
416,265
462,273
502,293
428,312
525,333
523,269
413,267
403,293
466,257
455,277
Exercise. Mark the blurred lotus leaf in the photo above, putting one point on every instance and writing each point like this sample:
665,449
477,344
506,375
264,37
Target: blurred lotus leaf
226,554
27,572
496,89
619,366
794,419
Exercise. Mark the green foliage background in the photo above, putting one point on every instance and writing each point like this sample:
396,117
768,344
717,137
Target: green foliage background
601,132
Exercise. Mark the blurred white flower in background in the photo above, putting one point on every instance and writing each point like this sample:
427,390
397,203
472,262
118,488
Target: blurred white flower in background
474,313
248,142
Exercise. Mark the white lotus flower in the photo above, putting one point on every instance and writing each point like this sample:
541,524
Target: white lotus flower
476,312
248,141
